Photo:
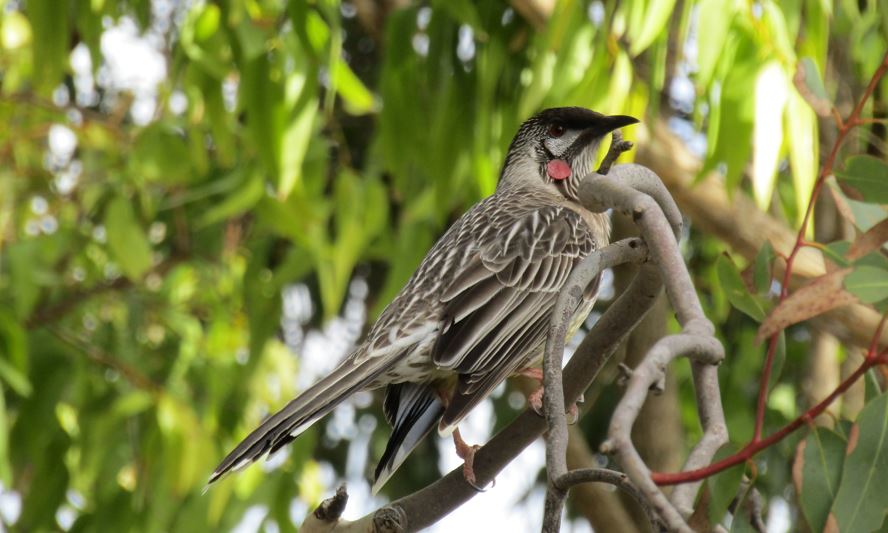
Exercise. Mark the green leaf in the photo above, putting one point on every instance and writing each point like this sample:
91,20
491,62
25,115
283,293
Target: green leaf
161,155
21,259
126,240
868,175
872,386
835,252
716,16
723,486
50,23
207,23
771,94
863,215
819,463
16,379
860,502
202,41
810,86
762,271
465,11
732,283
656,16
244,197
297,135
736,119
355,95
801,139
868,283
265,116
253,39
5,464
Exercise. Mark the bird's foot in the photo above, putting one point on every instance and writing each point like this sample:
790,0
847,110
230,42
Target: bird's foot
532,373
535,399
466,452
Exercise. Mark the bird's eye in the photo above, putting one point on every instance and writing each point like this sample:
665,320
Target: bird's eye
556,130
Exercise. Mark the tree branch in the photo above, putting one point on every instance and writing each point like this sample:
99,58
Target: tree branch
707,205
637,191
569,299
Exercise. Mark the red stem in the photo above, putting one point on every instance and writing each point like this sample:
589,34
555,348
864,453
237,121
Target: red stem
872,359
756,446
847,125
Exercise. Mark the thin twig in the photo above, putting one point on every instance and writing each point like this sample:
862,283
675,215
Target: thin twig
554,398
130,373
638,192
612,477
617,147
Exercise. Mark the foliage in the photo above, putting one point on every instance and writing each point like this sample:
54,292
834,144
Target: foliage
143,253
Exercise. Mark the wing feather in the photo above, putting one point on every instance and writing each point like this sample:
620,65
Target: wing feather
493,305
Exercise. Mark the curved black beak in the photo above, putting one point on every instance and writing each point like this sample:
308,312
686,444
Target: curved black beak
613,122
598,127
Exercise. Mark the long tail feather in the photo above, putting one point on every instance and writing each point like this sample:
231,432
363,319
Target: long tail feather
285,425
413,409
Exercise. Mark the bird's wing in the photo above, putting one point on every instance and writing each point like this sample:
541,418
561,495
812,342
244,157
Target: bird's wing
495,309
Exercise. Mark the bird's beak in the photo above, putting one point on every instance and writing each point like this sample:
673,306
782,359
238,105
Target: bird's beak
599,128
613,122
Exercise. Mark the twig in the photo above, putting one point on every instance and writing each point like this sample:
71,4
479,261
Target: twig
871,360
130,373
612,477
637,191
617,147
50,313
847,125
554,398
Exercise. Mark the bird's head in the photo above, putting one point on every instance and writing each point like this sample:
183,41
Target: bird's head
556,147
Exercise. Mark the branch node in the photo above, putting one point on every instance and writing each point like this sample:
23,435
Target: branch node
390,519
331,509
624,374
659,385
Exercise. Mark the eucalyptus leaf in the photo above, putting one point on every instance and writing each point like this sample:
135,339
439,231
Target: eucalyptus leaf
860,502
126,239
817,472
762,273
868,283
723,487
732,282
867,175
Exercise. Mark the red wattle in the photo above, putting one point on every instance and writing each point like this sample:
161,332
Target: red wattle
558,169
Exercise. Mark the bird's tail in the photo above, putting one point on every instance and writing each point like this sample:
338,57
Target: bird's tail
413,409
282,427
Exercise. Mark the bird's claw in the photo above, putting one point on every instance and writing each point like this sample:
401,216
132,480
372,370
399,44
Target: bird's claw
535,399
466,452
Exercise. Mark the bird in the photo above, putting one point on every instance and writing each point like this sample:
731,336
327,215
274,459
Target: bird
476,309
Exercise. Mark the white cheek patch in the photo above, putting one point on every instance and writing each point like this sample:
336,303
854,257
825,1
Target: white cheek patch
558,146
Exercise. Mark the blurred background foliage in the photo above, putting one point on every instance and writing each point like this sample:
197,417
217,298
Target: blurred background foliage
195,194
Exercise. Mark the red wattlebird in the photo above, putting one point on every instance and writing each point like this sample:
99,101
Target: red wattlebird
477,309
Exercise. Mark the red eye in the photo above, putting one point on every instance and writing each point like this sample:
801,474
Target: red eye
556,130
